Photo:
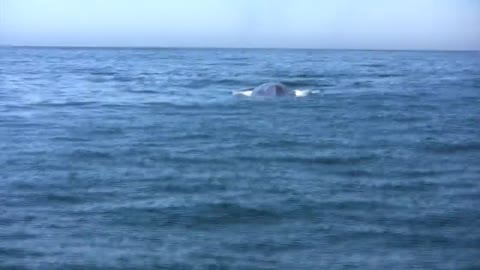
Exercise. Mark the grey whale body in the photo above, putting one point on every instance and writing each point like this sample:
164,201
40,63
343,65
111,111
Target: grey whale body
272,90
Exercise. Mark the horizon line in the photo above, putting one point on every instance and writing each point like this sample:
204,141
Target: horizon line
228,48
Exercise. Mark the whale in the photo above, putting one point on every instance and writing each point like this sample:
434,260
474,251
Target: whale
272,90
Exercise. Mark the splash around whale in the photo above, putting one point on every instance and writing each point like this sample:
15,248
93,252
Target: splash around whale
273,90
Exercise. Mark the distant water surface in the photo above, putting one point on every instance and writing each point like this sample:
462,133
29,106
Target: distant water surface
142,159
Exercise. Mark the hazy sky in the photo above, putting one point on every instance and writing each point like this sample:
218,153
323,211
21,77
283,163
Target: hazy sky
360,24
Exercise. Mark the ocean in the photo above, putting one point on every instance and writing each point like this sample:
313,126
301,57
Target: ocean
130,158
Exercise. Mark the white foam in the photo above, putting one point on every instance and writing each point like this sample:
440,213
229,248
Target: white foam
305,92
247,93
298,92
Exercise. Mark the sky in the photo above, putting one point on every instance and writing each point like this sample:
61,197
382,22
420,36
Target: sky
332,24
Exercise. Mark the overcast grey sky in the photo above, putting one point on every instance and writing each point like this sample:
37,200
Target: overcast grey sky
352,24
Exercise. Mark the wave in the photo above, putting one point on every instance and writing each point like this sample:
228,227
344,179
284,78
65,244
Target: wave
98,71
374,65
192,216
125,78
204,158
363,84
385,75
201,83
182,188
103,73
451,148
65,104
235,58
84,154
143,91
324,160
305,83
14,252
70,139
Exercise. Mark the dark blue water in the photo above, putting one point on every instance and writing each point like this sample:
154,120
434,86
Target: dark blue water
142,159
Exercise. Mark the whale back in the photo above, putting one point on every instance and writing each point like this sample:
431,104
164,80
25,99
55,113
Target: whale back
271,89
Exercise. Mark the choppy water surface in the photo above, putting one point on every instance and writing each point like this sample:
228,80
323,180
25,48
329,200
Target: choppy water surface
142,158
